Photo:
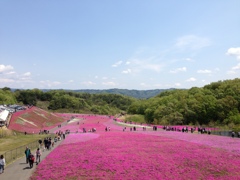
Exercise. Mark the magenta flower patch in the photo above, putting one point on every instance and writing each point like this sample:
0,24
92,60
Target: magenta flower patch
131,155
81,137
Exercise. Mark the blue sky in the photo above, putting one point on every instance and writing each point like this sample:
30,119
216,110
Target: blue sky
118,44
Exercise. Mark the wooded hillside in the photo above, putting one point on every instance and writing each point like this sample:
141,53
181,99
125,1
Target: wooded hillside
215,104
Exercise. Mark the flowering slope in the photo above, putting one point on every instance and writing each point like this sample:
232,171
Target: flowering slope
34,119
221,142
94,121
131,155
79,121
75,138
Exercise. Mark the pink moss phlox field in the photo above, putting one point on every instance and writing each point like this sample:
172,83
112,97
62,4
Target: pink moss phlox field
72,126
114,126
79,137
78,122
94,121
131,155
222,142
27,127
33,120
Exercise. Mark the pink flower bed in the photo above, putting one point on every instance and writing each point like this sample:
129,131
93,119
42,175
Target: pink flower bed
33,120
73,127
94,121
115,126
84,121
75,138
128,155
137,154
222,142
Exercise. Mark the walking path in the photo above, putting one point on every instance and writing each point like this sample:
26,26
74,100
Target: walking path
20,170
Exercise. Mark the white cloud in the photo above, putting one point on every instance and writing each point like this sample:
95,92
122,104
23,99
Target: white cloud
96,77
88,83
127,63
117,64
177,84
71,81
138,65
109,83
26,78
50,83
237,67
11,72
183,69
4,68
27,74
231,72
192,79
192,42
157,85
146,86
189,59
205,71
234,69
104,78
5,80
56,83
143,84
234,52
127,71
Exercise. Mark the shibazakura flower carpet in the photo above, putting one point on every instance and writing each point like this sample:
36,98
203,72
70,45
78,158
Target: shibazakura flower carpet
133,155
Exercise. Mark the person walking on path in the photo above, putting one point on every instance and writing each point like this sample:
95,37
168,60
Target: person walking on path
38,155
40,142
31,159
2,164
27,153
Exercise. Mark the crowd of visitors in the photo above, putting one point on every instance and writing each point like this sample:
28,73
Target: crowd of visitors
44,131
233,134
46,144
186,129
134,128
61,135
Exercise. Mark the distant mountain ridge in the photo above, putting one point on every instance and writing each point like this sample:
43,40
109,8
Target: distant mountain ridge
139,94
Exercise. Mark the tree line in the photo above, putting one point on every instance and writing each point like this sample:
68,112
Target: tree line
67,101
215,104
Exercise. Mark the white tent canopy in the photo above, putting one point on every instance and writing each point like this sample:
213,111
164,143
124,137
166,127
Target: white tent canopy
4,115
